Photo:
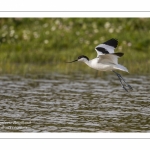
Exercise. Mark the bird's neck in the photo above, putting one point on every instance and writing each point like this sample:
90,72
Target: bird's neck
87,62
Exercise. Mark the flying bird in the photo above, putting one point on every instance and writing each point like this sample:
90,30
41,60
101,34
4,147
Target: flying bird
106,60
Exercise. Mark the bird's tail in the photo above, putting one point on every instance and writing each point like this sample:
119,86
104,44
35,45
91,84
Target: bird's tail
120,67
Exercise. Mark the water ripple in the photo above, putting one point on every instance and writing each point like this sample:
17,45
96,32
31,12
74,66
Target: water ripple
61,103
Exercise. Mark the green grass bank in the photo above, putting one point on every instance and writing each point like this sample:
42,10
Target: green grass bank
43,45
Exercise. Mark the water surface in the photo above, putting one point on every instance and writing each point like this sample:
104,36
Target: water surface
62,103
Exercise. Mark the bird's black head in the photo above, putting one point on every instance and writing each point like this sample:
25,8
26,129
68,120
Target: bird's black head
81,58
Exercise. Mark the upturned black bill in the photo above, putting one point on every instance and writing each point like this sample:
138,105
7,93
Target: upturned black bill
72,61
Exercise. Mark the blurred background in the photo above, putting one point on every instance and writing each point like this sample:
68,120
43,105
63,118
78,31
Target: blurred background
43,45
40,92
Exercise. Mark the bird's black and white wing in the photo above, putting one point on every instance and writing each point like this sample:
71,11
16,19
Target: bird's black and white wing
109,58
107,47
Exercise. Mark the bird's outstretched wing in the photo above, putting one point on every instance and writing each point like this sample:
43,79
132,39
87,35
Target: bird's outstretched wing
109,58
107,47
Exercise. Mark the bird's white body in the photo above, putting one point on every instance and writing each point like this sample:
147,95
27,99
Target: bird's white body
104,64
99,66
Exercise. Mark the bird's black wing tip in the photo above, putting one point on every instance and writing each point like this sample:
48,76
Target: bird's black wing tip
119,54
112,42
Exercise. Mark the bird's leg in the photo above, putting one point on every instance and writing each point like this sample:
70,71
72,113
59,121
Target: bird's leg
121,79
124,80
121,82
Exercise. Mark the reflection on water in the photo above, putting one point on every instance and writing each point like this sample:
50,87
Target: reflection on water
61,103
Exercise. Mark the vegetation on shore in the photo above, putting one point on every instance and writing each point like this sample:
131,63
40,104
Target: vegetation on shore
43,45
